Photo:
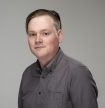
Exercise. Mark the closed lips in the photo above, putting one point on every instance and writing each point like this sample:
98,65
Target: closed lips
39,47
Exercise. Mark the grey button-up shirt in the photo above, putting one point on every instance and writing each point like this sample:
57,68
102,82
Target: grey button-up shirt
64,83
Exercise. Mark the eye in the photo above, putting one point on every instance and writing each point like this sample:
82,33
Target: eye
45,33
32,34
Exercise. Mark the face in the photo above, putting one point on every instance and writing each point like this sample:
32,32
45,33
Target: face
43,38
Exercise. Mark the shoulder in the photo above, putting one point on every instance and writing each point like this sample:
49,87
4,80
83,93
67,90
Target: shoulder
72,63
29,69
76,68
78,72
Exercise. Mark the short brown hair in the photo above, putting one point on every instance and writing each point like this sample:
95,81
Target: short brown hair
40,12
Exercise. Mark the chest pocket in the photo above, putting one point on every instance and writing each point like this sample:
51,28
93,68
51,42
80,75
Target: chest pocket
55,99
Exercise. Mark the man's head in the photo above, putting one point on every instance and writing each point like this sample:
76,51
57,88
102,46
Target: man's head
44,34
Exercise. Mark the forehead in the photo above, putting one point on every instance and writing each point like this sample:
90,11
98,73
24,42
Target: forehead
41,22
42,19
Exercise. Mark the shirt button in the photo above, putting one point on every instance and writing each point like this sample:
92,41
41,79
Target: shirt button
39,92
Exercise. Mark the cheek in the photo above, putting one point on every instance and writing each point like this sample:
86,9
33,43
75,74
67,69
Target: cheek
53,42
30,41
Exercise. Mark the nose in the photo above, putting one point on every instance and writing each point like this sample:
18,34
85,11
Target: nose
38,39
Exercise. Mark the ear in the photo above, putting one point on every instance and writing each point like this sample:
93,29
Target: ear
60,35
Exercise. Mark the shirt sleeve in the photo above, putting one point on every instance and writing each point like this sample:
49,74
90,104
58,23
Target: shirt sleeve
20,103
83,90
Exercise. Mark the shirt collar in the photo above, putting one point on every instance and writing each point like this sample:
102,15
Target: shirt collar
52,65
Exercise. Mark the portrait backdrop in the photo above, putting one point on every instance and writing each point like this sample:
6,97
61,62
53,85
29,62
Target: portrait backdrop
84,39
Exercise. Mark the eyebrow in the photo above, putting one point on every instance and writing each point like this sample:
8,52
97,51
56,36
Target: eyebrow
40,30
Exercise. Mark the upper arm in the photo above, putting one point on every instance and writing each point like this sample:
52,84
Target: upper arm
83,90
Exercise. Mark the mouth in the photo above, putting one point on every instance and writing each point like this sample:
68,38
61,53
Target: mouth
38,47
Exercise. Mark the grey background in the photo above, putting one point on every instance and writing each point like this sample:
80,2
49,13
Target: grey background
84,29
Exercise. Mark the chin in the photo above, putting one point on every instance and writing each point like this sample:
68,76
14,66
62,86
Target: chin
41,56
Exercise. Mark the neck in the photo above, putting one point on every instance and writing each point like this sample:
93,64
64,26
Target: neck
46,60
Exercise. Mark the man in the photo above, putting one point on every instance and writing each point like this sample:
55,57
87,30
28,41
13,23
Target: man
54,80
